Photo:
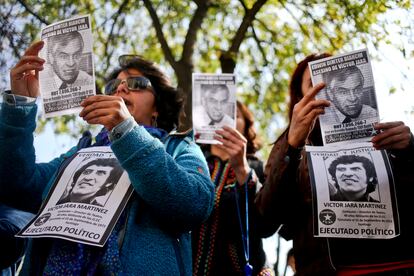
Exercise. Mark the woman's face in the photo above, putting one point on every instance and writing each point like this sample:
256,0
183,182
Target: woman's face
141,104
306,82
240,122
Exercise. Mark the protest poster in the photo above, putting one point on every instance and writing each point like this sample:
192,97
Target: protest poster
85,202
214,105
68,76
353,192
350,89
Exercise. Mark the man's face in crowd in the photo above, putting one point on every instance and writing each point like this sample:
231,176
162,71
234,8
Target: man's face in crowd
347,95
352,178
91,180
66,60
215,104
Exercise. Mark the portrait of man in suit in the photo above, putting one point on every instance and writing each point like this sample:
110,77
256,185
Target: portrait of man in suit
64,56
345,89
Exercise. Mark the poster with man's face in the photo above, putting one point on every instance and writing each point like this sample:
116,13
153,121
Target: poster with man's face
214,105
349,87
85,201
353,193
68,76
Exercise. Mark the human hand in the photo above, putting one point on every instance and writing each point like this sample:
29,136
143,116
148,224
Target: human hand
392,135
305,112
24,76
108,111
234,144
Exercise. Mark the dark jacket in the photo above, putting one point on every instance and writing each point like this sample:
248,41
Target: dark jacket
286,199
12,248
217,243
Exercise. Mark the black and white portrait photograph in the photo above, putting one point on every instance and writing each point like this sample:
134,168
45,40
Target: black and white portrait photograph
352,178
93,182
86,199
351,99
68,76
350,89
214,104
67,63
353,191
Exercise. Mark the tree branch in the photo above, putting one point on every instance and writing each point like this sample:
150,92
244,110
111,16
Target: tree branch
303,29
115,16
227,58
193,28
262,51
317,24
8,31
160,35
44,21
248,18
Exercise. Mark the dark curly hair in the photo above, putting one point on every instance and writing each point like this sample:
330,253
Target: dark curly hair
366,163
295,86
113,177
253,142
168,100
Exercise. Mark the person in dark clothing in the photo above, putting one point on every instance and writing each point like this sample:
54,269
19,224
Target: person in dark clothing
12,248
286,197
218,247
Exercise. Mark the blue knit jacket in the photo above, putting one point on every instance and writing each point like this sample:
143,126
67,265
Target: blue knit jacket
173,192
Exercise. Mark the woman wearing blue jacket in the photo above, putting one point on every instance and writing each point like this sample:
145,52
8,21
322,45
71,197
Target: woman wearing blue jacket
172,187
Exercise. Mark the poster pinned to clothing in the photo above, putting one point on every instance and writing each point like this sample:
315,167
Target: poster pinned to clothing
353,192
68,76
89,194
214,105
350,89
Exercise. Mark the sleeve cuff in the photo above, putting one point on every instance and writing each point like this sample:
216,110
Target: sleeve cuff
122,128
13,100
293,153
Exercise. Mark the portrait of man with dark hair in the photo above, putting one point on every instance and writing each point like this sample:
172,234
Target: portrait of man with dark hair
354,179
64,60
345,90
93,183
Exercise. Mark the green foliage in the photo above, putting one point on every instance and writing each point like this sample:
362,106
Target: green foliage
279,35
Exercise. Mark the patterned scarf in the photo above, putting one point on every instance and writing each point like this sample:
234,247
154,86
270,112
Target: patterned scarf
71,258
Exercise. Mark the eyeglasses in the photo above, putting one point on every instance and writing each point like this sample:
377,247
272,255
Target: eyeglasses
133,83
